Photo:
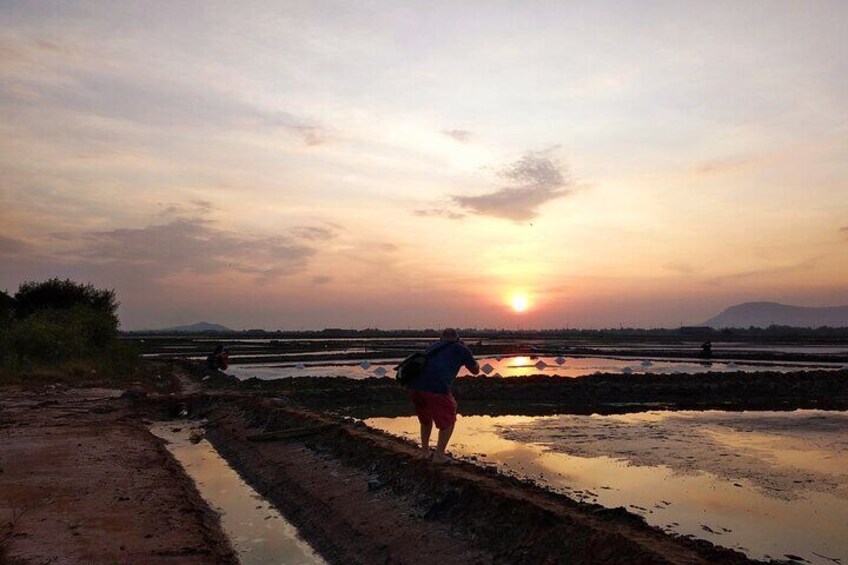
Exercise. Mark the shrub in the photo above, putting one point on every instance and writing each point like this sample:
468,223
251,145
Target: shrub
57,294
57,321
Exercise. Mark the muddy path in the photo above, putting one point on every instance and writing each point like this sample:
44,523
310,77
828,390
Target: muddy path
363,496
83,481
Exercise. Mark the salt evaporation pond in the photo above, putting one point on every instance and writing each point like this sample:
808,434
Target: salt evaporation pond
516,366
257,531
771,484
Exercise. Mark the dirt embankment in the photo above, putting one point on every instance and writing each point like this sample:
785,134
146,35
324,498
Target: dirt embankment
540,394
83,481
362,496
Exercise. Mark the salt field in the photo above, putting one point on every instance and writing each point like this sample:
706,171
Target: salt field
771,484
517,366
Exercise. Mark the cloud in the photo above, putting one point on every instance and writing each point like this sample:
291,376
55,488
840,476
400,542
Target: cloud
440,212
844,231
10,246
87,83
460,135
723,165
321,279
313,233
682,268
534,180
193,245
312,135
742,276
194,208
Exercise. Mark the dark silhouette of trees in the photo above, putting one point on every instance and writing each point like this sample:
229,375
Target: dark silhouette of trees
58,294
55,321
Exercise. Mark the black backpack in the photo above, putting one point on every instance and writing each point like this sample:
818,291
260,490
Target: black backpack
410,368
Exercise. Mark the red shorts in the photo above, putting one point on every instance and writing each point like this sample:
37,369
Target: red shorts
434,407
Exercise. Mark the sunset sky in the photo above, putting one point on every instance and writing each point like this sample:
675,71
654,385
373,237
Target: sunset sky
302,165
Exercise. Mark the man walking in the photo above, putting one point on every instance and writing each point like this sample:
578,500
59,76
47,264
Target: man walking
431,394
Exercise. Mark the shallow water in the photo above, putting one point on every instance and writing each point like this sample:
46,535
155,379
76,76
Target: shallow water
767,483
257,531
516,366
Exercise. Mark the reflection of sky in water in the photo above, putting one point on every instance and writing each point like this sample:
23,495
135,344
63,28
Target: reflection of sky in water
739,506
510,367
257,531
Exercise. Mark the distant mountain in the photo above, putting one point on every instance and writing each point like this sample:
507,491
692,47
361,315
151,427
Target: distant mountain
199,327
764,314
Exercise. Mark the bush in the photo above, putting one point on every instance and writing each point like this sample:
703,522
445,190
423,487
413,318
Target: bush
57,294
58,321
7,309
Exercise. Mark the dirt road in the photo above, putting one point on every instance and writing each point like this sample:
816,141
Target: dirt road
83,481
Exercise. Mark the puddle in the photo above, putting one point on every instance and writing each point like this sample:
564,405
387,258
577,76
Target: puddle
517,366
257,531
769,484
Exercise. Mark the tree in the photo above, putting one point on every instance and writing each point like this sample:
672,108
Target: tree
7,308
57,294
56,321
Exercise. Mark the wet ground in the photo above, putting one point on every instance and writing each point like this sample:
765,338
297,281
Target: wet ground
256,529
367,497
769,484
356,493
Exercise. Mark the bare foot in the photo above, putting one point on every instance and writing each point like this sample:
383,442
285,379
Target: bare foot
441,459
426,453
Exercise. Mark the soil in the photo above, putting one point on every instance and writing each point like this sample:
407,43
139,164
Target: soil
83,481
362,496
543,394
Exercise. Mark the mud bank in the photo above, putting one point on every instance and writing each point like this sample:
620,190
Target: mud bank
723,355
540,394
83,481
363,496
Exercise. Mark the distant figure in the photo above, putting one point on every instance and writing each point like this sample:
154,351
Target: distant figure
706,350
218,359
430,392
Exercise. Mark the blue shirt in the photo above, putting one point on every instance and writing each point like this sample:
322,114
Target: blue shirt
441,369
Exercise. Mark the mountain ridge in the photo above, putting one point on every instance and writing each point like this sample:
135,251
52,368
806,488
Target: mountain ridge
764,314
199,327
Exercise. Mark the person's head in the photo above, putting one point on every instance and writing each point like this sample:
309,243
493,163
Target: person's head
219,349
450,334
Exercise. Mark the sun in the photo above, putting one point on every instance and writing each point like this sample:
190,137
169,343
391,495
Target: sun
519,302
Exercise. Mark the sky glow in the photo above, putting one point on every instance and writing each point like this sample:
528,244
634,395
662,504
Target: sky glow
357,164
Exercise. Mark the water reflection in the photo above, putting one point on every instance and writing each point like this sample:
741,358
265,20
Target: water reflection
515,367
257,531
768,484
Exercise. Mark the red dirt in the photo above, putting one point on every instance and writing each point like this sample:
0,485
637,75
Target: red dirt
83,481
